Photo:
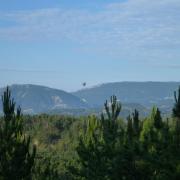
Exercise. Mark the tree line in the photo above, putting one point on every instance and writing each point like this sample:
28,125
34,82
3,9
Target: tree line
92,148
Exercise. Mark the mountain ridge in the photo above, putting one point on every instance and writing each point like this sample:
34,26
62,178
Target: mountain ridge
39,99
42,99
147,93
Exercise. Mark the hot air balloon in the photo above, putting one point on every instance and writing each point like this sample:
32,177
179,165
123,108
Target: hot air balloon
84,84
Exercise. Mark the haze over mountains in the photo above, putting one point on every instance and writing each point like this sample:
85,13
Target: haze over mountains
40,99
141,95
144,93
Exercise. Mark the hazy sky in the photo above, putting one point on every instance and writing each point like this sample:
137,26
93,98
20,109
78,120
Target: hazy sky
62,43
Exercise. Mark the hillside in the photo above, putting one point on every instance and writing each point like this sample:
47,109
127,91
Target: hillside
140,95
40,99
144,93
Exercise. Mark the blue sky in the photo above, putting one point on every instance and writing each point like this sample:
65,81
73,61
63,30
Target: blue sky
62,43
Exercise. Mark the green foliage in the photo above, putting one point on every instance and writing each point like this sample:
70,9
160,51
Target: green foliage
130,130
176,115
136,123
16,159
142,151
96,146
46,168
90,148
176,109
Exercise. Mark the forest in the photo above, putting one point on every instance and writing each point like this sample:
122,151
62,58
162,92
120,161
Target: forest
106,147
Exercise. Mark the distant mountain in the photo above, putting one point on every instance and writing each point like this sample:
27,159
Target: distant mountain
35,99
39,99
147,94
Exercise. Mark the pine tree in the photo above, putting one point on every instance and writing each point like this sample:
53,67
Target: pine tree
112,109
151,128
16,160
176,115
176,109
109,121
158,119
96,148
110,134
130,131
136,123
90,150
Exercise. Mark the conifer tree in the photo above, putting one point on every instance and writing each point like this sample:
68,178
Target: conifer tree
109,121
136,123
176,109
96,148
89,151
130,131
158,119
110,134
176,115
112,109
16,160
151,126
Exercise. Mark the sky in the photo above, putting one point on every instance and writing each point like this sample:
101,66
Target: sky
62,43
